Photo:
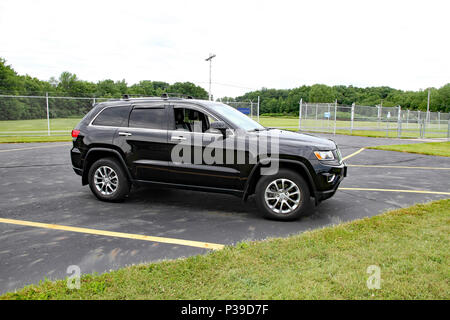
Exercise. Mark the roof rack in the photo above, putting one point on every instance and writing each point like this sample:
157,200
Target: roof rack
165,96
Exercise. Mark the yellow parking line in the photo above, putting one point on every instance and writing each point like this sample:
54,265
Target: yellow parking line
205,245
353,154
399,167
40,147
395,190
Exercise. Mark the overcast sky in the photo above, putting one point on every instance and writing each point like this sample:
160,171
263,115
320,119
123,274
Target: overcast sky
274,44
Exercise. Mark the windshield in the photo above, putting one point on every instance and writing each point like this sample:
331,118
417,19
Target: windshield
236,117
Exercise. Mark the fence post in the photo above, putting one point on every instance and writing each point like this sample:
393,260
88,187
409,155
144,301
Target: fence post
335,113
258,110
448,130
407,118
439,120
317,107
329,116
379,115
48,116
387,127
399,122
251,109
352,117
424,128
300,114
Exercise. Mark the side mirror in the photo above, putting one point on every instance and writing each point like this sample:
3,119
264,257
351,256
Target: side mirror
221,126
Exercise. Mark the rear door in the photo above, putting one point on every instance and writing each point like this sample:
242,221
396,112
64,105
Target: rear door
144,142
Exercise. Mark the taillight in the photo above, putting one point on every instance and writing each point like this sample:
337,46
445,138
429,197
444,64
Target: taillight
75,133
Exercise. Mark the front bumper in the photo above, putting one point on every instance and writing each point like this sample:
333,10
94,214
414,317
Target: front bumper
328,180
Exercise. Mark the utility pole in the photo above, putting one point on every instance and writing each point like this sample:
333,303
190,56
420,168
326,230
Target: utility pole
211,56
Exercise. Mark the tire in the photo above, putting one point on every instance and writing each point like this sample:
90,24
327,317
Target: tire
108,181
285,205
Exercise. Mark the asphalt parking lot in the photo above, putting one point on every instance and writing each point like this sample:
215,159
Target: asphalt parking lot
37,184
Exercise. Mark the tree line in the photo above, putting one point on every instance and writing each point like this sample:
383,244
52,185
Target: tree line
68,85
273,101
286,101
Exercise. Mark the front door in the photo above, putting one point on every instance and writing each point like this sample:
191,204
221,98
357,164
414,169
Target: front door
198,154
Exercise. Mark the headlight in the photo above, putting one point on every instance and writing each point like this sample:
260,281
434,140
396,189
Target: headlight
324,155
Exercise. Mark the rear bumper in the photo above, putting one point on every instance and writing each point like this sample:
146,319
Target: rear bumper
75,156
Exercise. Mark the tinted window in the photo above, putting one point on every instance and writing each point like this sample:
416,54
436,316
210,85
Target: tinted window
114,117
149,118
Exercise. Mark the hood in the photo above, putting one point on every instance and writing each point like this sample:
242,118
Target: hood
290,137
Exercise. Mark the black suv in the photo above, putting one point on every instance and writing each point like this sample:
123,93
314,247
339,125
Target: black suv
206,146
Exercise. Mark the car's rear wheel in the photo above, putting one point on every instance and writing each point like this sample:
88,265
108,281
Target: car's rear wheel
283,196
108,180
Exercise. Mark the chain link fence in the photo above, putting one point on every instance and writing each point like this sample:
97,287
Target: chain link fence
22,116
57,116
249,108
376,121
42,115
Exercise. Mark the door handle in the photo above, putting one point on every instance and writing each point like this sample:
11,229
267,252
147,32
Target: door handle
126,134
178,138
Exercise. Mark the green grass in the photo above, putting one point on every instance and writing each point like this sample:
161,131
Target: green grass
36,130
38,124
411,246
430,148
22,139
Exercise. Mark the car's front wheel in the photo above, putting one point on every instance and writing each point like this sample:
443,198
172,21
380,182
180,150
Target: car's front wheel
107,180
283,196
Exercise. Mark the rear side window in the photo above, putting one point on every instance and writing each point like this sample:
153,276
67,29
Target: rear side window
149,118
112,117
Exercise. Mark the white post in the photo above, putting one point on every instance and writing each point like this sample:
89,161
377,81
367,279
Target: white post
251,109
352,117
258,109
399,122
329,116
300,114
407,118
418,118
335,113
379,115
428,106
48,116
439,120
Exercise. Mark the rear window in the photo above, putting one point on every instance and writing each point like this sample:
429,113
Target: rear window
112,117
149,118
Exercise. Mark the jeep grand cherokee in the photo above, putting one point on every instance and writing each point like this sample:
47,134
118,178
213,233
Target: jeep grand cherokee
169,142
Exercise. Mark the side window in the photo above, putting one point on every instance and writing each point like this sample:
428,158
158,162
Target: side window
148,118
191,120
112,117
